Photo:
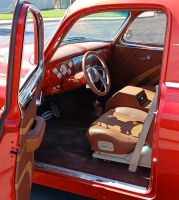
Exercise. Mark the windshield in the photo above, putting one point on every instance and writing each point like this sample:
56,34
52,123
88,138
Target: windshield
97,27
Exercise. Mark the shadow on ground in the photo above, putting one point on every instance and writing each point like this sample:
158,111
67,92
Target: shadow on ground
45,193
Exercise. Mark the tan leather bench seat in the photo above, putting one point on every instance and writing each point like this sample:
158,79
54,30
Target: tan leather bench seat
117,130
120,127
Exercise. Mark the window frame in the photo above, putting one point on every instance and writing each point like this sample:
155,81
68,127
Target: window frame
151,46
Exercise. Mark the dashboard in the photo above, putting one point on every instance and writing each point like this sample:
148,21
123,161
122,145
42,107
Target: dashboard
64,72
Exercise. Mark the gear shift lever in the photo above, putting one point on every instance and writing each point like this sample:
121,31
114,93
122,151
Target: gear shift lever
97,108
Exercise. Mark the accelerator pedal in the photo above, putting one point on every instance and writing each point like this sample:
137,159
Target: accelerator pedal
54,109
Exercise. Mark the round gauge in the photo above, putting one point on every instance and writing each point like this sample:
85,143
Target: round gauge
55,70
63,69
69,71
59,75
70,64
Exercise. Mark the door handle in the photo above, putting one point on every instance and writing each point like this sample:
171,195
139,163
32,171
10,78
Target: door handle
145,58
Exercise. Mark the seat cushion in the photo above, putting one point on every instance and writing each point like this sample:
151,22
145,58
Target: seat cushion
120,127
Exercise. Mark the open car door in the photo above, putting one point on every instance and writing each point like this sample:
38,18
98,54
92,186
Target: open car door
21,131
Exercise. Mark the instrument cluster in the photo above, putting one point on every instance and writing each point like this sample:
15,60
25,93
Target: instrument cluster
63,69
59,72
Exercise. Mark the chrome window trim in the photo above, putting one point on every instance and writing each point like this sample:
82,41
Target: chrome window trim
90,177
172,84
29,89
139,46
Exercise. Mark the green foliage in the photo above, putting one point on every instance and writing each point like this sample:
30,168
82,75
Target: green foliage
53,13
6,16
50,13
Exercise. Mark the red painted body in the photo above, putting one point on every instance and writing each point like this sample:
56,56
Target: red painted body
164,182
9,140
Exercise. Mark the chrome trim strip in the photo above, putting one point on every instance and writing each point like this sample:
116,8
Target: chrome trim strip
90,177
140,46
3,75
172,84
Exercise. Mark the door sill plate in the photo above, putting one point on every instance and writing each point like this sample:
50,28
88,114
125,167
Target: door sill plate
90,177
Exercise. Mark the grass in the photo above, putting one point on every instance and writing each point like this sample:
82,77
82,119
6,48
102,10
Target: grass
56,13
50,13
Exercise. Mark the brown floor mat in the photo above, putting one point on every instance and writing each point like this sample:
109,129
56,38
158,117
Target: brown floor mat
83,162
68,139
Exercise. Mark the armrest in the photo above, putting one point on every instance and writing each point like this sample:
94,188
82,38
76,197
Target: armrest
129,96
35,135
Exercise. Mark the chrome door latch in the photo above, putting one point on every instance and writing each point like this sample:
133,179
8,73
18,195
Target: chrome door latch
155,113
39,101
145,58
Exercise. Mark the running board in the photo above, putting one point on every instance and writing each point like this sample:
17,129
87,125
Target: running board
144,161
90,177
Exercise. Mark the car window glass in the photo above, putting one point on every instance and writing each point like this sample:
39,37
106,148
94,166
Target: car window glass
28,51
148,28
93,27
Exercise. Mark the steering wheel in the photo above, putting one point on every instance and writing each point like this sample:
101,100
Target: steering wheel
96,75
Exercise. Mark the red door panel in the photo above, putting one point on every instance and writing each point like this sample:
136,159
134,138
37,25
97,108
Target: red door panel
135,66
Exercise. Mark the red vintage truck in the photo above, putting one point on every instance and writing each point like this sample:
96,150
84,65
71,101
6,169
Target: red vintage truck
94,108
